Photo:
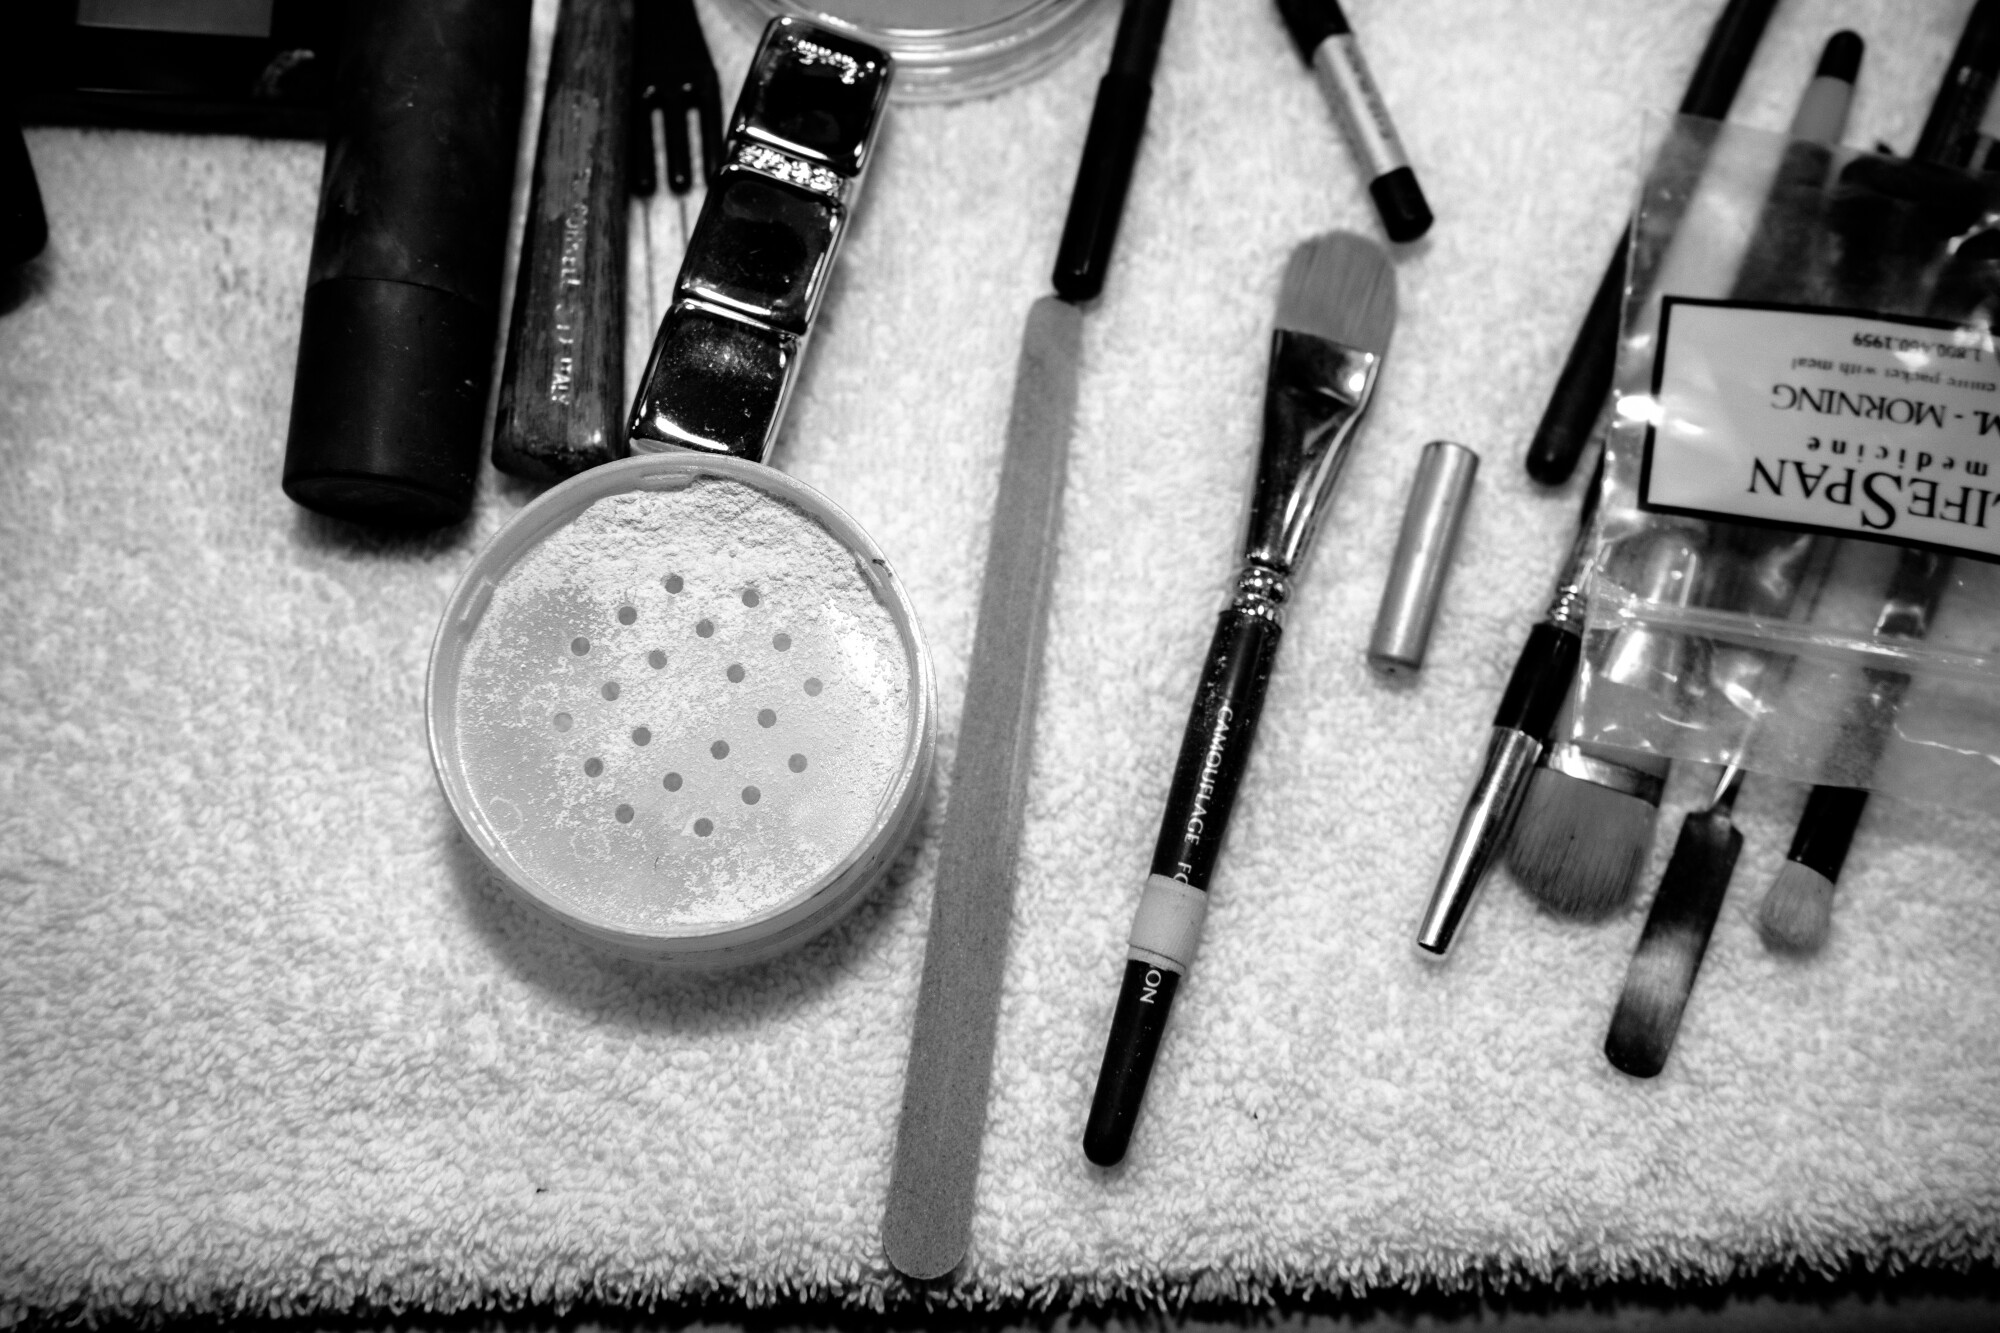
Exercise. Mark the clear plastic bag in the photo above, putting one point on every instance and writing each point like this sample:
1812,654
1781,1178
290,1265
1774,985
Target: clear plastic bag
1799,568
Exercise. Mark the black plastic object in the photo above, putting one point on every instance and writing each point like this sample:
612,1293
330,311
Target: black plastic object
1399,200
402,296
1826,829
1110,149
1951,129
1541,680
1585,381
182,67
24,227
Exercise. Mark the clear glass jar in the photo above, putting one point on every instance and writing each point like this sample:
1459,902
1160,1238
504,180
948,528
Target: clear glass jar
947,49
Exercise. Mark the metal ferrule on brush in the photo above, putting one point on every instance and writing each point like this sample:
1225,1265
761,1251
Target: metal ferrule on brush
1317,391
1521,729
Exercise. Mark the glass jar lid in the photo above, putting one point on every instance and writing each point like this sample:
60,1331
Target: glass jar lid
949,49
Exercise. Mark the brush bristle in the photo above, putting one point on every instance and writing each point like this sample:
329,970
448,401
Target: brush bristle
1340,287
1578,847
1797,913
1649,1010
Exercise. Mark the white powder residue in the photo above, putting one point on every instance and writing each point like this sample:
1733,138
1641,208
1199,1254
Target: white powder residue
684,709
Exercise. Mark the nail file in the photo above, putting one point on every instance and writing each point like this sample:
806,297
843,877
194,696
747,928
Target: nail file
928,1223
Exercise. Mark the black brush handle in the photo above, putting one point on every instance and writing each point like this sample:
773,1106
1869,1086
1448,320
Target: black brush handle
1215,749
562,387
1719,72
1826,829
1214,752
1117,123
1951,130
1671,946
1585,381
1826,826
1138,1023
1542,674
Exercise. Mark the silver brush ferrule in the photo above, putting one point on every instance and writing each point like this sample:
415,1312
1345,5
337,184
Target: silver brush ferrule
1576,762
1641,657
1482,828
1566,608
1316,392
1261,591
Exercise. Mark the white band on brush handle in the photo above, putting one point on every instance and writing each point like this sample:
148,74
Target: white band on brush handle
1168,925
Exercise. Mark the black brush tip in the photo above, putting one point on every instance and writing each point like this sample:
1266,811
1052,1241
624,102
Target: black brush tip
1311,22
1841,57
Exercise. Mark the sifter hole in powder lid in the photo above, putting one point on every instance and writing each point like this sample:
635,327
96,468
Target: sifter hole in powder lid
721,798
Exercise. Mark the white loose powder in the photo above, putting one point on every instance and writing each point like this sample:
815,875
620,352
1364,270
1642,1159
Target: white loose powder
684,709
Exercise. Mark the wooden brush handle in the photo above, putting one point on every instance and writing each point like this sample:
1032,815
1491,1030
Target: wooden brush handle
562,390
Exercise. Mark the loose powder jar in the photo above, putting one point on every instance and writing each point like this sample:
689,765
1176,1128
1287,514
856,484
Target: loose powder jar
681,704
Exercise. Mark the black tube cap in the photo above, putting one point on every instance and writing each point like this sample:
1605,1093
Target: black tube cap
1400,201
1840,58
388,402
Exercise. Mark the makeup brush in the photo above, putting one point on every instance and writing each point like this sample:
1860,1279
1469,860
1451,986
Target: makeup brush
1951,130
1577,400
1587,822
562,383
1521,730
1796,915
1336,310
1797,912
1661,974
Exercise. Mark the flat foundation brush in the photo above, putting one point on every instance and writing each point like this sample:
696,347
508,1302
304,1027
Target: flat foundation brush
1587,821
1661,974
1336,311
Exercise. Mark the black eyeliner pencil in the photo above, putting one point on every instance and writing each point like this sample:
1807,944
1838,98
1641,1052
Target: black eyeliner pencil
1110,150
1335,314
1327,44
1585,381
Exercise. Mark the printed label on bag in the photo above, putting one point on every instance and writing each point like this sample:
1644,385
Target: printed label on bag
1856,425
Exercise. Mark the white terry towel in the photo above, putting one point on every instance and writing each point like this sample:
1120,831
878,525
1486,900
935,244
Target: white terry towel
271,1039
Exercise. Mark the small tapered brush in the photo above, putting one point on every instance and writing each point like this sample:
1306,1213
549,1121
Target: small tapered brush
1661,975
1796,915
1336,311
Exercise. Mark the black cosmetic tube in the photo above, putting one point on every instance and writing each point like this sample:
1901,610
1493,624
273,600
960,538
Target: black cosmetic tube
402,304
